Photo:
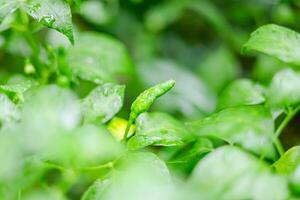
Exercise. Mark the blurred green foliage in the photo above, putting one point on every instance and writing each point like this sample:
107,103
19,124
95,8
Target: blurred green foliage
70,70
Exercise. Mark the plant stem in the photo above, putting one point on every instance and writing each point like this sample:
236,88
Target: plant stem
284,123
279,146
286,120
107,165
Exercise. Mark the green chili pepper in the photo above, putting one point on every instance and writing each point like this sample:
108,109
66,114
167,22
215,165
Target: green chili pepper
144,101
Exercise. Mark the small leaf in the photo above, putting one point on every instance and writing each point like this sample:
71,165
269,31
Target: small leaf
54,14
284,90
240,92
103,103
158,129
98,58
230,173
249,126
276,41
289,161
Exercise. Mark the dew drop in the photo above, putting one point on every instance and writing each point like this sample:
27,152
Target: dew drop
48,20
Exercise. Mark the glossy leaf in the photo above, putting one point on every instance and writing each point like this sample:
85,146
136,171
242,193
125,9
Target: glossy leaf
54,14
230,173
284,90
158,129
277,41
98,58
241,92
8,110
18,89
249,126
103,103
7,7
145,100
289,161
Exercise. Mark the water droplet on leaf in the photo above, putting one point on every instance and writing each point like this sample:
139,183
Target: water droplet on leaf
48,20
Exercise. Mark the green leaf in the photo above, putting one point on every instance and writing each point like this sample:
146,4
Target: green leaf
240,92
50,111
103,103
8,111
158,129
54,14
266,67
249,126
187,156
142,175
98,58
289,161
95,191
87,147
276,41
17,89
7,7
284,90
230,173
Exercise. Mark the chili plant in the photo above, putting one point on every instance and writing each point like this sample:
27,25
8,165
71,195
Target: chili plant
95,103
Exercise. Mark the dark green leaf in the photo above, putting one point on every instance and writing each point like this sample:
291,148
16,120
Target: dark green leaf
249,126
186,157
